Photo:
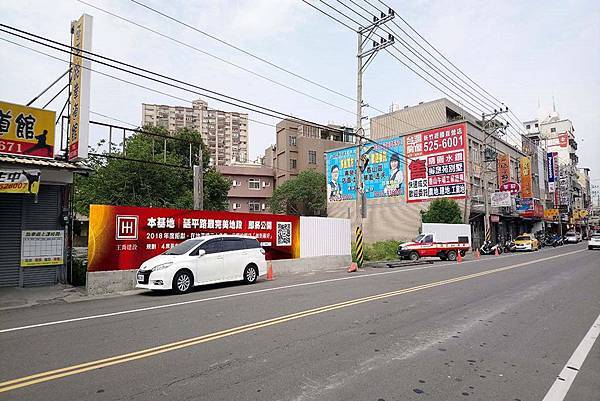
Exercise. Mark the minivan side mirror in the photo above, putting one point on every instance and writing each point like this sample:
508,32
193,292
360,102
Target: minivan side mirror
201,252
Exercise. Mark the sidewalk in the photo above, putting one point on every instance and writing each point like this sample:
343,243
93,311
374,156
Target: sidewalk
13,298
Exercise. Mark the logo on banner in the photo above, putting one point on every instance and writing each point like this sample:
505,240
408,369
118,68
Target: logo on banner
127,228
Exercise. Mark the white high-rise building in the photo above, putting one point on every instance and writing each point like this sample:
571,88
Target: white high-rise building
224,133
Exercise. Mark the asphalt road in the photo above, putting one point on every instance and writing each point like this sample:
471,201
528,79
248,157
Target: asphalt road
502,328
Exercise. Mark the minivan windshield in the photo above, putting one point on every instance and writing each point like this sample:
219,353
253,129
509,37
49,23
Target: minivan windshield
184,247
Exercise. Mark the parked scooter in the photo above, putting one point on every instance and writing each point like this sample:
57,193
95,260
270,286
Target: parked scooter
509,245
489,249
554,240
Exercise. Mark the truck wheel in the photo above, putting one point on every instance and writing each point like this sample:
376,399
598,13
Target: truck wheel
414,256
451,255
442,256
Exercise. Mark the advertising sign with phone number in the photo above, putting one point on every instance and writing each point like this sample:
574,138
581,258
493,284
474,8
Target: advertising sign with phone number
437,163
122,237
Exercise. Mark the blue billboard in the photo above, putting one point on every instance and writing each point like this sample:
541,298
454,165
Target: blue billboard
383,176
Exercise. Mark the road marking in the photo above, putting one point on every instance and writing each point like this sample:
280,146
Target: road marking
565,379
120,359
237,294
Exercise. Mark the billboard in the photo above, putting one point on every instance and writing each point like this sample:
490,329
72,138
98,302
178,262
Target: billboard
79,109
503,161
550,160
501,199
383,176
563,139
122,237
26,131
437,163
19,181
526,178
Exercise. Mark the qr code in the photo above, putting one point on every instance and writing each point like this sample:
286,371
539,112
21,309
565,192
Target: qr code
284,233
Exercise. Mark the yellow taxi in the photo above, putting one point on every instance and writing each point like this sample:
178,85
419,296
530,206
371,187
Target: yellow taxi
527,242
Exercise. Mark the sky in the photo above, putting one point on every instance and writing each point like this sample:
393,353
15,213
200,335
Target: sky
525,53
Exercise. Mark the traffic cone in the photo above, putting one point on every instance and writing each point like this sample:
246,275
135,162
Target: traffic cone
477,254
496,252
269,271
459,257
353,267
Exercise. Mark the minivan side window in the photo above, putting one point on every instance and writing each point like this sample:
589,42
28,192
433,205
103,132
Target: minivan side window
232,244
251,243
210,246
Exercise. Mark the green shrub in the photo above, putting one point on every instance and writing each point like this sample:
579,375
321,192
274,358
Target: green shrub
79,271
378,251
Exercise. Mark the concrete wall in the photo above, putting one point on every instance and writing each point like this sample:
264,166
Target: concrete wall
110,281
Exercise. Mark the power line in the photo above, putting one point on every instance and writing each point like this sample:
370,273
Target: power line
122,79
246,52
217,57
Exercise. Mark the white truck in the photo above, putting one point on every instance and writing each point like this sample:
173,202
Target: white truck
444,241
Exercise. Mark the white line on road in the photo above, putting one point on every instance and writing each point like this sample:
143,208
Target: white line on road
565,379
194,301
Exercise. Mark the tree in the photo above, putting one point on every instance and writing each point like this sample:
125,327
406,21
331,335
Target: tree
117,181
442,211
304,195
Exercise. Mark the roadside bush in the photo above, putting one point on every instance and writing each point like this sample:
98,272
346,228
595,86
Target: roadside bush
378,251
79,271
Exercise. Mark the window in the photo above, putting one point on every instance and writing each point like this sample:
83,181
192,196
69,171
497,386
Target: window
536,125
428,239
528,126
552,129
293,140
234,183
184,247
251,243
232,244
253,183
235,205
210,246
292,163
254,206
312,157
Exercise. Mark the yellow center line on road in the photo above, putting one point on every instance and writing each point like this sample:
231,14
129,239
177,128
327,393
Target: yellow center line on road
120,359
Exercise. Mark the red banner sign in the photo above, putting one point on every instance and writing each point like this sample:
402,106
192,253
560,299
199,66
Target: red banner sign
510,186
563,139
121,238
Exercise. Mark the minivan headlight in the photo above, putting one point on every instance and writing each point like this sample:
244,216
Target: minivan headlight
162,266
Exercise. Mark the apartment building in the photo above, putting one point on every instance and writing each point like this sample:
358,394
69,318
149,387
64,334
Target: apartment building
225,133
301,147
395,213
251,187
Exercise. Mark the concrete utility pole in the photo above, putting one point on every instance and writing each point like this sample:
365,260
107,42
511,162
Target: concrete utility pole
365,34
489,127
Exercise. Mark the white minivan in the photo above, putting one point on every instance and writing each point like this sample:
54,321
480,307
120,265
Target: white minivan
204,260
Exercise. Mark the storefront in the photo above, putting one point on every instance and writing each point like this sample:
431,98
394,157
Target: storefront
34,209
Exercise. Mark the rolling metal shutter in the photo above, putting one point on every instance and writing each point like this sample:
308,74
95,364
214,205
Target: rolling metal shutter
10,239
43,215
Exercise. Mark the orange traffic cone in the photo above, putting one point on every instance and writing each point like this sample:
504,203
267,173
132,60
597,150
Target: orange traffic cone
477,254
353,267
496,252
269,271
459,257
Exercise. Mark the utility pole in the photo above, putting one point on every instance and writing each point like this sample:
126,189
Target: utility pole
489,127
363,60
199,182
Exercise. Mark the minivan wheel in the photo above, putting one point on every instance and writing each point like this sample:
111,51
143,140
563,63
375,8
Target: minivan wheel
182,282
250,275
